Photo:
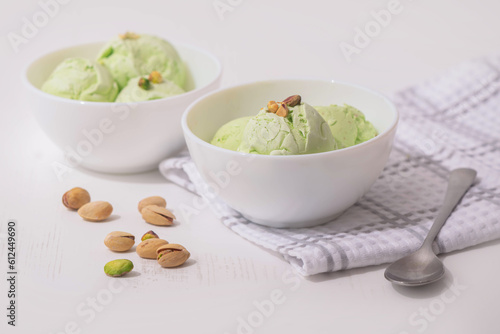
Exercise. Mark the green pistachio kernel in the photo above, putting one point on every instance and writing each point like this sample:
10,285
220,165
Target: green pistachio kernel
144,83
117,268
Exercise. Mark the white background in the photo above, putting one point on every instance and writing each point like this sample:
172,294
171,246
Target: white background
60,257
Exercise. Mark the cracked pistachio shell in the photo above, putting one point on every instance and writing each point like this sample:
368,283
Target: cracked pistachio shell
153,200
147,248
117,268
157,215
119,241
172,255
96,211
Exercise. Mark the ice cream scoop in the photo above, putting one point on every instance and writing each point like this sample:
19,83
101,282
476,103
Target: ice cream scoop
130,55
302,131
349,125
229,135
81,79
134,92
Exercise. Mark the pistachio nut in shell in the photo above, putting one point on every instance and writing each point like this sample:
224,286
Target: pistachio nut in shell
96,211
117,268
153,200
157,215
149,235
147,248
172,255
75,198
119,241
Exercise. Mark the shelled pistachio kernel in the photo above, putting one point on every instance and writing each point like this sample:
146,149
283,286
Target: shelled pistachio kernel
152,200
149,235
293,100
75,198
119,241
96,211
147,248
144,83
117,268
172,255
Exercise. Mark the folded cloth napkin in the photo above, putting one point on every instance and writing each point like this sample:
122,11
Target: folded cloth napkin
449,122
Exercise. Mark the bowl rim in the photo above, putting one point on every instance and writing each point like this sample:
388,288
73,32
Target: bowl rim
343,151
27,83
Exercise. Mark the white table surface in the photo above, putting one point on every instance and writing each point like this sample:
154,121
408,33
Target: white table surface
60,257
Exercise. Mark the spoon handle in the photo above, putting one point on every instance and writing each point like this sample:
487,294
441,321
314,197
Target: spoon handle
459,181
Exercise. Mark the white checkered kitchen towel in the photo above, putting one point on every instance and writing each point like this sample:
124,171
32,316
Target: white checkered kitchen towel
449,122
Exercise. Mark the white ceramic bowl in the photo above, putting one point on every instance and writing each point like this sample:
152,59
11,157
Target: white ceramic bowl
117,137
289,191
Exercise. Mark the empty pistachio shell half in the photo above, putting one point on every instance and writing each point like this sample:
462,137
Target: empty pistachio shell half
119,241
149,235
153,200
282,110
172,255
157,215
117,268
75,198
96,211
147,248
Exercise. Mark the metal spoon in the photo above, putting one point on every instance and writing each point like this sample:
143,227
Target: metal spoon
423,267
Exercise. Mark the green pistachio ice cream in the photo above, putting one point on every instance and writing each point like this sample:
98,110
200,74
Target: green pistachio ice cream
81,79
229,136
348,124
131,55
133,92
303,131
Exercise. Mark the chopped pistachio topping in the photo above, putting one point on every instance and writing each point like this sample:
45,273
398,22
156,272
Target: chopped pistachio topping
155,77
144,83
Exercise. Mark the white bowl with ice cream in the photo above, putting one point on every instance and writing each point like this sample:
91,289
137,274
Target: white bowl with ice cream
289,191
113,137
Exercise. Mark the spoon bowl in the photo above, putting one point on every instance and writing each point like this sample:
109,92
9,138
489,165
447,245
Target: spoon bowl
423,267
420,268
